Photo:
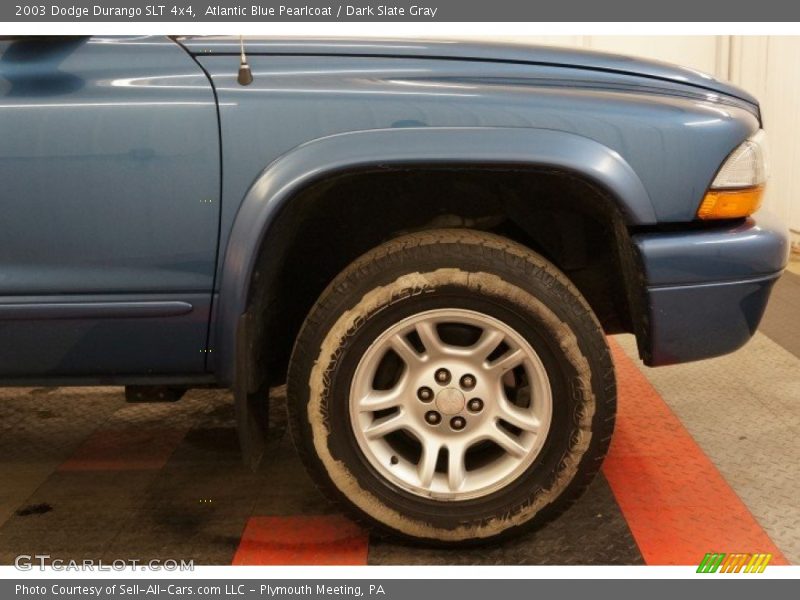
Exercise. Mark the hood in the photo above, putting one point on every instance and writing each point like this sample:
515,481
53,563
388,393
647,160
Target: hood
458,50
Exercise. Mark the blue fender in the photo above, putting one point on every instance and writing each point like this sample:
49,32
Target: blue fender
317,159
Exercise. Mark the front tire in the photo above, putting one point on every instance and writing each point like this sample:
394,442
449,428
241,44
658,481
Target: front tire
451,386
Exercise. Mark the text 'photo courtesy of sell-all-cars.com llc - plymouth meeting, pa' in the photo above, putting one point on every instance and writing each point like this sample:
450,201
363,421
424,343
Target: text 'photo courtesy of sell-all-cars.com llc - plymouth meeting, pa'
427,241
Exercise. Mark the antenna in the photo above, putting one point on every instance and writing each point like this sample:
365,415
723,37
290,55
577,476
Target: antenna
245,76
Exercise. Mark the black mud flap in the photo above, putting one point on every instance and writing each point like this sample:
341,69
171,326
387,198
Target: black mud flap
251,398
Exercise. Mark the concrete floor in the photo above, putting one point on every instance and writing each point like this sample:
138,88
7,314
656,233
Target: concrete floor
86,475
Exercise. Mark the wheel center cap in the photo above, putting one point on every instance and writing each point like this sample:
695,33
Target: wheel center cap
450,401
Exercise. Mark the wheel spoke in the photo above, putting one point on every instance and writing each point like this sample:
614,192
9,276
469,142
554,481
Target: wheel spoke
372,400
456,470
386,425
381,400
518,417
427,463
487,343
405,350
508,442
430,338
507,362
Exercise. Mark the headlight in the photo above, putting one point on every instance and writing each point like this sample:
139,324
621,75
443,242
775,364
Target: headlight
738,188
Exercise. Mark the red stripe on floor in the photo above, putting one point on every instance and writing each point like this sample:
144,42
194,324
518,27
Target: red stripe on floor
125,449
677,504
302,540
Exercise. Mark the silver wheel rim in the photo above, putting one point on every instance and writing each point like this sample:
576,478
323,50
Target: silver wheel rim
472,448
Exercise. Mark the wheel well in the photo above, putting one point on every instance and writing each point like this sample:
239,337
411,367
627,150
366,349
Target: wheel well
567,219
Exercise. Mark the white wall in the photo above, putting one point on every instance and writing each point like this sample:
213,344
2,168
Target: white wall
767,66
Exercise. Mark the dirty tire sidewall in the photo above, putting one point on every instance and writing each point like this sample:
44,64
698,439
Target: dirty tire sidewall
460,269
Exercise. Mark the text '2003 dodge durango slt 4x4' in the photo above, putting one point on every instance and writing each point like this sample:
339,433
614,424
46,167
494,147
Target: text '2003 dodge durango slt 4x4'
427,241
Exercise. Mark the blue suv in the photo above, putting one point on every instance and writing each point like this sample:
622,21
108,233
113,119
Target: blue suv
427,241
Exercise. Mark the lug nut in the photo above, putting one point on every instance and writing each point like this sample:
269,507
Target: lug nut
475,405
433,418
442,376
425,394
468,382
458,423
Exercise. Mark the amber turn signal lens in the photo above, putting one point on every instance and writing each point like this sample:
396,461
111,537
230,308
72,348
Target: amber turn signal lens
731,204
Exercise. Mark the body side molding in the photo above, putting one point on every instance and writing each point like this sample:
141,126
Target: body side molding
66,309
